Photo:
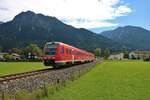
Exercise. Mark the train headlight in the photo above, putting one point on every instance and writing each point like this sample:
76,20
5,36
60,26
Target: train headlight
44,57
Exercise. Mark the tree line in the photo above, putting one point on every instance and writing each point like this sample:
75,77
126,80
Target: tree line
32,51
105,53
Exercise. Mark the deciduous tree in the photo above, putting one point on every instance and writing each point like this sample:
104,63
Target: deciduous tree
16,50
106,53
97,52
34,49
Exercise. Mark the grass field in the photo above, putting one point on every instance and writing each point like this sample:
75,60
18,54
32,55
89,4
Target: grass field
111,80
18,67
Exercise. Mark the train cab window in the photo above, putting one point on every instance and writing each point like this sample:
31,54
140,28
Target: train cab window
50,49
62,50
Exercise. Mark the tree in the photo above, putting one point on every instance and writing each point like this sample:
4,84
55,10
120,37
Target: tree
106,53
97,52
1,49
33,49
126,54
16,50
8,56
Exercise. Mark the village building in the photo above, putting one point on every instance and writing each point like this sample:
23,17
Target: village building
2,56
139,54
119,56
16,56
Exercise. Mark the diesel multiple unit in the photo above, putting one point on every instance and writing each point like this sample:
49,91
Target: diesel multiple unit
61,54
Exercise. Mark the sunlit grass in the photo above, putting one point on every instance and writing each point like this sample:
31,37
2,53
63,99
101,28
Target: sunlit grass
111,80
19,67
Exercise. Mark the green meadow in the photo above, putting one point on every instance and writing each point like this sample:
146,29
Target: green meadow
19,67
111,80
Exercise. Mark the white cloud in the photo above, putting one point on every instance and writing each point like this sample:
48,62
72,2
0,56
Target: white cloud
79,13
90,24
122,10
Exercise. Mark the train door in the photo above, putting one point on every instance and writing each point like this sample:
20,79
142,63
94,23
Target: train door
72,54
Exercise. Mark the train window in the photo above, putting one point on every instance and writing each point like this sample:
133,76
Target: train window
50,49
62,50
80,53
66,51
70,52
52,45
77,53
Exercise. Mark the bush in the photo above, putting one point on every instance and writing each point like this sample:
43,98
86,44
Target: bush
8,57
21,60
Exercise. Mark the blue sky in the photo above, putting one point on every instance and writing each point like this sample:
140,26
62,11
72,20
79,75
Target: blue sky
140,16
95,15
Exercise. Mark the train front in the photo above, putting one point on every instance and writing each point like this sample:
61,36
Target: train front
50,51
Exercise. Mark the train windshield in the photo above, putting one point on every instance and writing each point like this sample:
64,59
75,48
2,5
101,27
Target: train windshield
50,49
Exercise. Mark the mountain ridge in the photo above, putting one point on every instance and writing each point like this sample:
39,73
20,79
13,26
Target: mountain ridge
132,36
28,27
1,22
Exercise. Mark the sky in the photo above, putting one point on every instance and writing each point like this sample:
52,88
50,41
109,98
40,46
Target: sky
95,15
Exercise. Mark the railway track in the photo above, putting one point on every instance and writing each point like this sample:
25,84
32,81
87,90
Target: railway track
10,77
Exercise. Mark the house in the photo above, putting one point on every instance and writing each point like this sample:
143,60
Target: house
2,56
119,56
139,54
133,55
31,56
16,56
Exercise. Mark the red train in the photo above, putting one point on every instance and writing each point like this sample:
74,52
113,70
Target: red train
61,54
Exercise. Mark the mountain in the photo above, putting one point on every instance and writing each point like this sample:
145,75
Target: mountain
1,22
28,27
132,36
